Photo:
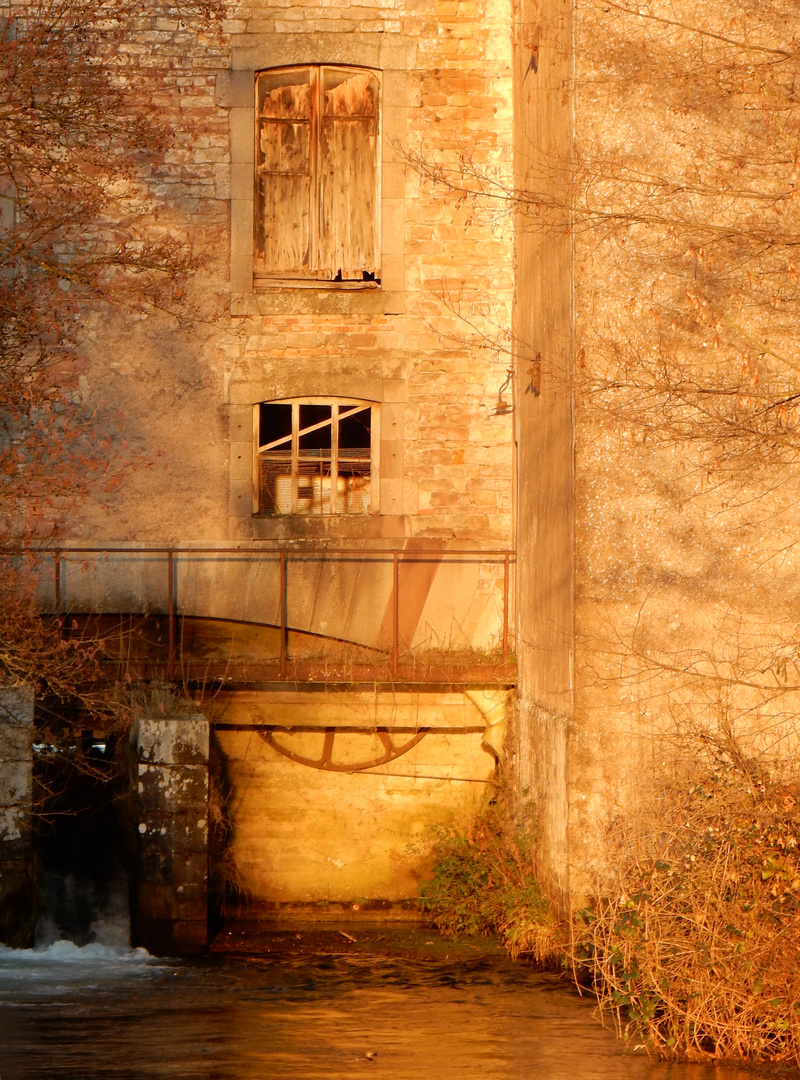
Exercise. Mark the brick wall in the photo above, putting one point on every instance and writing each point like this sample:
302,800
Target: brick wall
436,355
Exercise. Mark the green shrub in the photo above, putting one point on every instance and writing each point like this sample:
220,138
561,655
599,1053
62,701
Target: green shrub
483,883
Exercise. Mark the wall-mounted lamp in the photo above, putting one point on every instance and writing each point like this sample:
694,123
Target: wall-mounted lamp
503,407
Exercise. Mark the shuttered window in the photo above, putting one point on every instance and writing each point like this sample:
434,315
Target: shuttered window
317,168
315,457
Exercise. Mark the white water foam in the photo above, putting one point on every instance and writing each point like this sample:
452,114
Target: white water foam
86,911
59,972
67,952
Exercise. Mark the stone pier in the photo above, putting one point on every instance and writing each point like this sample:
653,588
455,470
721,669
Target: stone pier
16,761
170,909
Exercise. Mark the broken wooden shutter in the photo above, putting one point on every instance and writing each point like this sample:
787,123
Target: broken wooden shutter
317,165
348,166
285,168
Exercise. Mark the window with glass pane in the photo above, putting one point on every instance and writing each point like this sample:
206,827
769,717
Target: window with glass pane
314,457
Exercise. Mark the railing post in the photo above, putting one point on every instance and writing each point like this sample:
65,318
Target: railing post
506,563
171,616
395,612
284,617
57,572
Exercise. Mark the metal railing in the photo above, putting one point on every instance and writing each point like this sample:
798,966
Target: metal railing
283,557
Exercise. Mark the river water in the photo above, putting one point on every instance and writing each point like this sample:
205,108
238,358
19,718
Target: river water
301,1007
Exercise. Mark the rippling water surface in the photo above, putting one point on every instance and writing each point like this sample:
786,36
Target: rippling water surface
98,1013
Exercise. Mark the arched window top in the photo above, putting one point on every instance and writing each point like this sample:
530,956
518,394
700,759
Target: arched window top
315,456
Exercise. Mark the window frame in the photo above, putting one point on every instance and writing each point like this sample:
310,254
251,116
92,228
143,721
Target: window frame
321,168
391,53
297,462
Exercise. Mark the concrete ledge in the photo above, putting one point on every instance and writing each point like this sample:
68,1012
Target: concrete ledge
172,741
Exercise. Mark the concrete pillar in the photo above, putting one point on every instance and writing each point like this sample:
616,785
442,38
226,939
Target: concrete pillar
170,913
544,419
16,766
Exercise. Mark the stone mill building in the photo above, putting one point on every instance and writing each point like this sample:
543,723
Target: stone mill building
323,549
381,539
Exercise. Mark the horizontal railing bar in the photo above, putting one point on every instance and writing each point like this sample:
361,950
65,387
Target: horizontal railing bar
312,729
430,554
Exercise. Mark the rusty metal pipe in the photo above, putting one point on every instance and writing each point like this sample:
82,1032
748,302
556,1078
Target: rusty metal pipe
506,563
284,642
170,616
395,612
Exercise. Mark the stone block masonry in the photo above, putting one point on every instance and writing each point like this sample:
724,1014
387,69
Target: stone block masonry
421,345
171,901
16,739
425,342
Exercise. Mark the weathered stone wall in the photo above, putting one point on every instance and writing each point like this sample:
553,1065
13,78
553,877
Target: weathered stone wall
426,354
16,762
170,912
314,815
646,590
16,765
429,347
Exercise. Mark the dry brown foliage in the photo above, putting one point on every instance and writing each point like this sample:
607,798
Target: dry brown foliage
79,234
80,237
696,954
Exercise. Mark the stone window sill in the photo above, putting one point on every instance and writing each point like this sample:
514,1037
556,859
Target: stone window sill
320,300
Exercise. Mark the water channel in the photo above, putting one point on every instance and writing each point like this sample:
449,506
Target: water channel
304,1004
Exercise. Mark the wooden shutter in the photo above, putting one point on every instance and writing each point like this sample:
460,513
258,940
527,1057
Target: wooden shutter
348,175
285,167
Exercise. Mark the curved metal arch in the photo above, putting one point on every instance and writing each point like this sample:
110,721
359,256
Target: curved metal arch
326,762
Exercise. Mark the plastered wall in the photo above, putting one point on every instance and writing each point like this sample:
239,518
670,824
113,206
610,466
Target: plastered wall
657,558
544,420
314,814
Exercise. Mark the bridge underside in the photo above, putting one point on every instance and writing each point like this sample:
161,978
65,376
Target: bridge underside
331,763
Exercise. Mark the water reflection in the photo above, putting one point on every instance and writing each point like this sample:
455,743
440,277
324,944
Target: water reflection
97,1013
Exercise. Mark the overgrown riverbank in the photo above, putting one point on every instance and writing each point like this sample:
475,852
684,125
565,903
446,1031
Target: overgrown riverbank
694,950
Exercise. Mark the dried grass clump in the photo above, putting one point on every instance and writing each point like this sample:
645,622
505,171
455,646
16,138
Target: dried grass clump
698,955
